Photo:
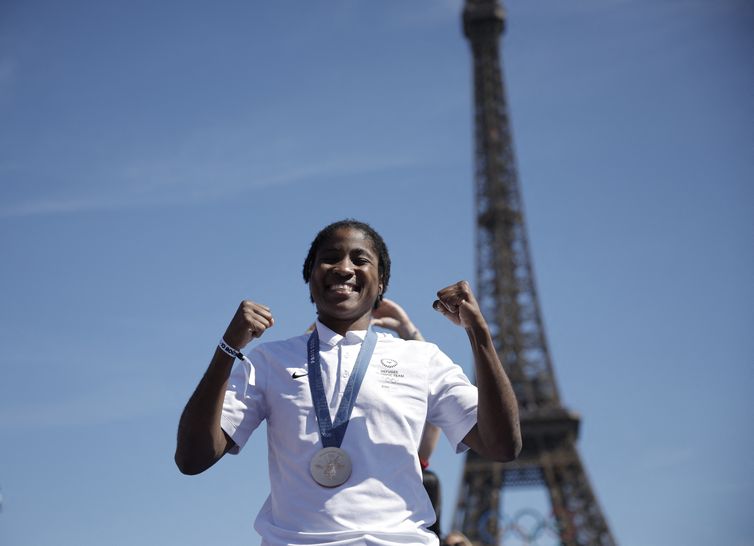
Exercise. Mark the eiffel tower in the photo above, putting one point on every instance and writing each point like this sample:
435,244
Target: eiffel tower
508,298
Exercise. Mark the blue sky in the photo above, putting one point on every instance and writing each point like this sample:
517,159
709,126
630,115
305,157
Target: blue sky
159,162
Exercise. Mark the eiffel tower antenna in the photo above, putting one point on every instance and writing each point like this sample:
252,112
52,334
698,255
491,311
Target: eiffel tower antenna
508,298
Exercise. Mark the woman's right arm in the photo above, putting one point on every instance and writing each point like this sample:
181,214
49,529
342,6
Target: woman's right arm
201,440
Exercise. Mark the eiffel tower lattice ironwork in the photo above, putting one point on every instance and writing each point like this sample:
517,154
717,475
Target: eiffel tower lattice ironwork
508,298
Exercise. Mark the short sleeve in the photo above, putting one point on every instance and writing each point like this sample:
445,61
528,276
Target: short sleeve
244,406
453,400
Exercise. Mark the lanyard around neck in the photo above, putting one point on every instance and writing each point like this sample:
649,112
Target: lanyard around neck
332,433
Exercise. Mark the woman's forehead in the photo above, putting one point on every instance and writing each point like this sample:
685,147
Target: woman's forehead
348,237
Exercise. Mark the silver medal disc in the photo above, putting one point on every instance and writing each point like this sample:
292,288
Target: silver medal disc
330,467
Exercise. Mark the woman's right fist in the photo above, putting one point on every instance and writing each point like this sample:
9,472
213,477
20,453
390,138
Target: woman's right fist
250,321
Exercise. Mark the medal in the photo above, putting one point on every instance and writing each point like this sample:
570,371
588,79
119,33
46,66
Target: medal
331,466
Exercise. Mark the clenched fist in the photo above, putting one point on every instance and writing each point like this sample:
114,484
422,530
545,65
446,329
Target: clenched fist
457,302
250,321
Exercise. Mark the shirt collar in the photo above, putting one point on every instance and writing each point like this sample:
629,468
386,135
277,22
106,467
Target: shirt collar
332,339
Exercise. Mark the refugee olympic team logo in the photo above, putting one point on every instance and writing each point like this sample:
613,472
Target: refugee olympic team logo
389,362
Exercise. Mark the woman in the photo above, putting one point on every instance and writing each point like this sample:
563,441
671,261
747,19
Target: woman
345,406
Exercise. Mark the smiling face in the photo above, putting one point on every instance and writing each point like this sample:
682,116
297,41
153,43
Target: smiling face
345,281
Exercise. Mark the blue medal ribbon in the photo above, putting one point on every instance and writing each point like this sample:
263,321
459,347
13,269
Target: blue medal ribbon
332,433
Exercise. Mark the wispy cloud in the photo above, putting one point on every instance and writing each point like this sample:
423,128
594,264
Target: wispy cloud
210,163
52,206
101,406
161,183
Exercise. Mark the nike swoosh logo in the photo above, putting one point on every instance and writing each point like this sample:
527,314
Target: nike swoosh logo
296,375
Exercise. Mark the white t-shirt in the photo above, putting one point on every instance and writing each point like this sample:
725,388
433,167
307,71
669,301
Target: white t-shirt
384,501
